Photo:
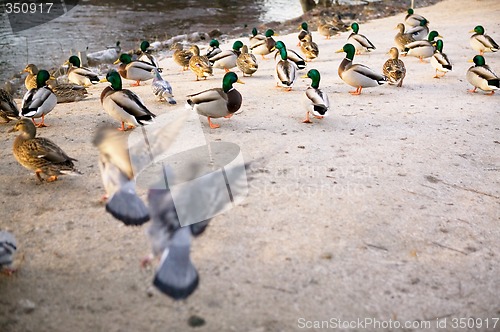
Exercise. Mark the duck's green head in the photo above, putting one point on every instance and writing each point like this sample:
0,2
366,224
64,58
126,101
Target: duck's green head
433,34
214,43
282,50
42,77
237,45
314,75
423,22
355,27
439,45
269,33
410,11
304,26
229,79
479,30
349,50
479,60
279,45
254,32
114,78
144,45
75,61
124,58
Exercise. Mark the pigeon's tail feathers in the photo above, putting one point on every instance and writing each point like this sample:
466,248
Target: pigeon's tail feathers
177,277
127,207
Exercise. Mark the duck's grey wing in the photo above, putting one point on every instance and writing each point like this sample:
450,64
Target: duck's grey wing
8,247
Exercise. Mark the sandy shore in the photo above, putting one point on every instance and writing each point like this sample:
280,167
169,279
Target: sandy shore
387,209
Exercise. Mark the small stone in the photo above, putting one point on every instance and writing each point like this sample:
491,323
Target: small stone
301,147
196,321
27,306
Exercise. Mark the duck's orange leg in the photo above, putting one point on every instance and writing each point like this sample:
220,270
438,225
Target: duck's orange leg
212,125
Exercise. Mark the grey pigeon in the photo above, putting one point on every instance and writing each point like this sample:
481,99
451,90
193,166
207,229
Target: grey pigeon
161,88
177,276
122,159
8,247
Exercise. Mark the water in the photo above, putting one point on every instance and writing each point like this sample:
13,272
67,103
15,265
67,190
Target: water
95,24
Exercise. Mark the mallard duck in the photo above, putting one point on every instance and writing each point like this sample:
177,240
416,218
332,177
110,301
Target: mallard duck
109,55
247,62
439,60
124,105
217,102
39,101
309,48
134,70
481,42
181,57
413,19
481,76
8,107
402,38
227,59
255,38
360,42
286,70
67,92
200,65
264,47
291,54
422,49
419,32
80,75
161,88
316,101
213,49
30,80
394,68
40,154
304,30
327,30
146,56
357,75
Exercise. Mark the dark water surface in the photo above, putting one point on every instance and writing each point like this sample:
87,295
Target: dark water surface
96,24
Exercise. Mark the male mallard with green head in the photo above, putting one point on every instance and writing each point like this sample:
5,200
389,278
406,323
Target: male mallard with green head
439,60
360,42
217,102
213,48
40,154
299,61
481,76
481,42
39,101
286,70
412,19
80,75
138,71
264,47
422,49
146,56
316,101
357,75
124,105
227,59
304,30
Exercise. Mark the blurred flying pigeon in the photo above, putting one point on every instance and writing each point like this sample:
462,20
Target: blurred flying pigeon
121,160
161,88
177,276
8,247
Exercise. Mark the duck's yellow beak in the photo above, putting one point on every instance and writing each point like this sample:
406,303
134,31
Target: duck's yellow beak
303,76
349,28
66,63
340,51
103,80
52,78
439,36
470,60
241,82
472,31
116,62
